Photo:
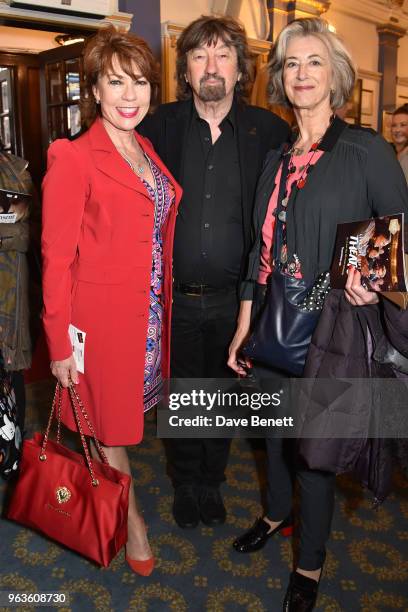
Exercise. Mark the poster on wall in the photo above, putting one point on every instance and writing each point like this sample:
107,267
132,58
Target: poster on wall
353,114
386,125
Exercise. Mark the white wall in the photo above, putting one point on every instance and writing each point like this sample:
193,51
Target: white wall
403,57
402,90
252,15
359,36
184,11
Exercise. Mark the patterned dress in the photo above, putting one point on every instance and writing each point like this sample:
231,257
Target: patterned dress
162,196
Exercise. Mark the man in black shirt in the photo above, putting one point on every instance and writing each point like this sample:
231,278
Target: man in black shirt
214,144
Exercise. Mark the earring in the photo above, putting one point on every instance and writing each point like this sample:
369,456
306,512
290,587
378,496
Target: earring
97,101
186,79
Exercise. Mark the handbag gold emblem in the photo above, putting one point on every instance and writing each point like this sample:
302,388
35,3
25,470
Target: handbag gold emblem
63,495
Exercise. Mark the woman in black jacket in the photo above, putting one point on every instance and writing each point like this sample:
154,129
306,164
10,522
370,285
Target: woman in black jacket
336,173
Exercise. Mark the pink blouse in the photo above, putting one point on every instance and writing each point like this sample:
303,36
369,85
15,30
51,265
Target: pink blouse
299,161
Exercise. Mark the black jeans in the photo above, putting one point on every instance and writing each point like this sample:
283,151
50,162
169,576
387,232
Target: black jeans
202,329
316,487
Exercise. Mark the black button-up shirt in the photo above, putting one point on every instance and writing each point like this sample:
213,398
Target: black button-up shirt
209,240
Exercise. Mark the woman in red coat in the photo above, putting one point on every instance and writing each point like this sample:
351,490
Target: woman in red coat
109,212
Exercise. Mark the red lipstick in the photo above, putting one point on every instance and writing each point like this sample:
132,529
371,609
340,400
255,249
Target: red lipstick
127,114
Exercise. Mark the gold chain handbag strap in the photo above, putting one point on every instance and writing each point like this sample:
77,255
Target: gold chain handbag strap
75,401
59,412
75,397
57,396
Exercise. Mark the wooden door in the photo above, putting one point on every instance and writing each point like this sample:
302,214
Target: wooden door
7,121
20,119
61,85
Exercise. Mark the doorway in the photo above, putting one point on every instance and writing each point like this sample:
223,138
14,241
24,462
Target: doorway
7,124
61,86
39,101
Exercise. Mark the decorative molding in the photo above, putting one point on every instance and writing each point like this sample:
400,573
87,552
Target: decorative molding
173,30
389,34
119,19
122,21
403,81
300,8
260,47
18,50
369,75
396,3
372,11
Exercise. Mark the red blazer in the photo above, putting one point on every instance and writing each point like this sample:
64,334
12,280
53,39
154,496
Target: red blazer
97,259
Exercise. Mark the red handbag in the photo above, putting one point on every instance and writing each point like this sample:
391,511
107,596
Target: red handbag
78,502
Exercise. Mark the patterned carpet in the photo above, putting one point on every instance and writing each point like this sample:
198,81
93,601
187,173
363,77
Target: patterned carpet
197,570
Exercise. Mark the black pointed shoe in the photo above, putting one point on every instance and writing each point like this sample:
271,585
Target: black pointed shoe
301,594
256,537
185,507
212,509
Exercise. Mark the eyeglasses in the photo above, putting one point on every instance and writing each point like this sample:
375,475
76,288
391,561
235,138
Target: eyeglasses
8,198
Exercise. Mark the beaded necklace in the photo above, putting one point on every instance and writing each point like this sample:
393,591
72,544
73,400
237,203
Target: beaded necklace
293,266
301,181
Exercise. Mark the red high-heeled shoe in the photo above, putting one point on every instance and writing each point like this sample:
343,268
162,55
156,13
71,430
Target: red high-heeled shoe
143,568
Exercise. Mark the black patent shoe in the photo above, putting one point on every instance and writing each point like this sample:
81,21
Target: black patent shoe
256,537
301,594
185,507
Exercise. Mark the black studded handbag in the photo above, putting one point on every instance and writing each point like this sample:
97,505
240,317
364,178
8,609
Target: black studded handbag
284,328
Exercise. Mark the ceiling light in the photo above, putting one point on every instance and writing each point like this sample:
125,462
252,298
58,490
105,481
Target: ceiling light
68,39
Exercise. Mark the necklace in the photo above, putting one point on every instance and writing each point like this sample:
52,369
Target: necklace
138,168
306,168
291,262
301,181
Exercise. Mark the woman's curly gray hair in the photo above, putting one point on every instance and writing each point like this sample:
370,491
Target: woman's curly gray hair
344,71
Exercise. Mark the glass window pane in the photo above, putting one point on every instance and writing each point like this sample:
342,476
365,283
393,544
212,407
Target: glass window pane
74,119
72,79
56,123
5,104
55,84
5,132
